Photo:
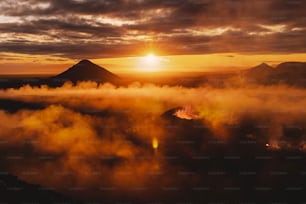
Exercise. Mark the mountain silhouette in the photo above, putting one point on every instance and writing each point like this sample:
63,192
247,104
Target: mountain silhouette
290,73
258,74
260,70
85,70
287,73
296,68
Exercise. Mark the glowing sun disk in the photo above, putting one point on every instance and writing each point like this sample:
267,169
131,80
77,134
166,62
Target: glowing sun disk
151,59
149,63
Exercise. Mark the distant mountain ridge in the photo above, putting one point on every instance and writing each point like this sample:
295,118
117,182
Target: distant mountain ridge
290,73
287,73
261,69
85,70
259,72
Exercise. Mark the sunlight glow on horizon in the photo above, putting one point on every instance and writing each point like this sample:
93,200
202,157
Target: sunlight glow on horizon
149,63
12,63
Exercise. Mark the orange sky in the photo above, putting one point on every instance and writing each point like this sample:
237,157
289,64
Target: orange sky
47,37
41,64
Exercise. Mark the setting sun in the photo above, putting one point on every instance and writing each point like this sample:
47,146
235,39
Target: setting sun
149,63
151,59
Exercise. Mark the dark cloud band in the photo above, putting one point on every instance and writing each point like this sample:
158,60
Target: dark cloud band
79,28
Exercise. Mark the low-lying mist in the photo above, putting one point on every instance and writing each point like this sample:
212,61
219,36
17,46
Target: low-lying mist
95,140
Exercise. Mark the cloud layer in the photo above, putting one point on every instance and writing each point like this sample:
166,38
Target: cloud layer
95,141
87,28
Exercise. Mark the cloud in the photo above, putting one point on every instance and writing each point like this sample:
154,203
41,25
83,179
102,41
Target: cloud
71,28
97,137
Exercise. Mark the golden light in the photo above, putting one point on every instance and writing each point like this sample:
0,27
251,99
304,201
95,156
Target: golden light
155,143
151,59
150,63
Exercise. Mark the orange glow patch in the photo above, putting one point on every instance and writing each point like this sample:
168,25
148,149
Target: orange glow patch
13,63
155,143
150,63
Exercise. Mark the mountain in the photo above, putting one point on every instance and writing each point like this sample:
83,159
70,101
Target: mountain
258,74
85,70
295,68
290,73
260,70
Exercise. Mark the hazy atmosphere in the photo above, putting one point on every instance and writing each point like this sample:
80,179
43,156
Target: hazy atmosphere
148,101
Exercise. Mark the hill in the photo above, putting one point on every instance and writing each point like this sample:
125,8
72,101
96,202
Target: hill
85,70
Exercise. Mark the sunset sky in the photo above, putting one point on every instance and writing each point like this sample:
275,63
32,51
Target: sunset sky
48,36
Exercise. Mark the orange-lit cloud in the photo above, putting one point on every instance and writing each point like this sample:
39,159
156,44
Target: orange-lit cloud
90,29
100,137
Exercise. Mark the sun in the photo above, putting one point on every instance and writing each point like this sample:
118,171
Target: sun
151,59
149,63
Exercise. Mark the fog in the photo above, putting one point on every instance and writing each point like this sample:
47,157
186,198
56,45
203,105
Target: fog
93,140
